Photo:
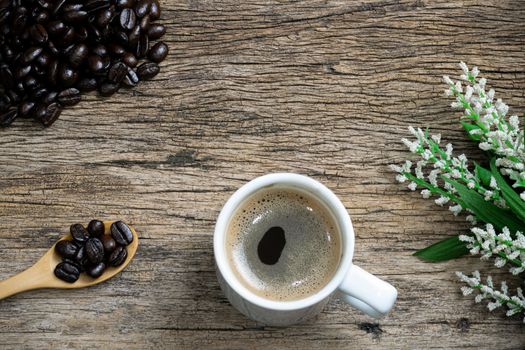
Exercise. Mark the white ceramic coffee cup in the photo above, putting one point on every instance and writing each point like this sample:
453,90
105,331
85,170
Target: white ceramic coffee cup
357,287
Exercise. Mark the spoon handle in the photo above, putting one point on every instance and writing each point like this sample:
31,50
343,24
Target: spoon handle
32,278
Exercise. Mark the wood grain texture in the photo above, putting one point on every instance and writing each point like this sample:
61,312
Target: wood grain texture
319,87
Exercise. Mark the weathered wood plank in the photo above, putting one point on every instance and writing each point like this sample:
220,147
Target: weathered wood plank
323,88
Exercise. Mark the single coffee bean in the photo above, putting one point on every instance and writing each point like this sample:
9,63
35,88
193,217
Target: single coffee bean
68,37
7,76
107,89
52,72
45,4
142,8
52,113
19,23
42,17
79,233
66,249
69,97
121,233
67,271
66,51
94,250
81,33
21,72
130,60
155,31
125,3
38,33
56,27
158,52
5,103
15,98
78,55
118,36
75,16
31,53
67,75
95,63
72,7
20,89
127,19
49,98
80,257
58,5
30,83
145,23
40,111
134,36
8,117
147,70
104,17
25,109
39,93
96,270
131,78
100,50
96,228
116,49
154,10
95,5
142,46
109,244
43,59
87,84
118,256
117,72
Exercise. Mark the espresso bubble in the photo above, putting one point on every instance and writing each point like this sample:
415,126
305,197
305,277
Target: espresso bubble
283,244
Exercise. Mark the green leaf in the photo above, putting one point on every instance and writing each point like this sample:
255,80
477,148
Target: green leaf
483,174
468,128
513,200
486,211
449,248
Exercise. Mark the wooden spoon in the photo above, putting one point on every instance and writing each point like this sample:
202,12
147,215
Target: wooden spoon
41,274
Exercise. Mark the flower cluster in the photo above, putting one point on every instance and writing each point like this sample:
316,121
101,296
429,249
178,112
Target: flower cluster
505,249
444,166
515,303
486,121
439,172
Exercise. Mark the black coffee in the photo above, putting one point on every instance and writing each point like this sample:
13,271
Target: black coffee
283,244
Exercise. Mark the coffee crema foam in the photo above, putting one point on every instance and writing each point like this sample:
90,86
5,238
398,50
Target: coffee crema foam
310,256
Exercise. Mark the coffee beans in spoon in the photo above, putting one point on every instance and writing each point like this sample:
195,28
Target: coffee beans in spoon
52,51
91,250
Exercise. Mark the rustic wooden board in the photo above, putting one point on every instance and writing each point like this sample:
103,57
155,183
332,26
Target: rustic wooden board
319,87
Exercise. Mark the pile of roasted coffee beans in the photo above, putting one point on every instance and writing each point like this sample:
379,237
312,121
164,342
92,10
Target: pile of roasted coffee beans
91,250
53,50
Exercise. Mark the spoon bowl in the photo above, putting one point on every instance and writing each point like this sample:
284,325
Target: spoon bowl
41,274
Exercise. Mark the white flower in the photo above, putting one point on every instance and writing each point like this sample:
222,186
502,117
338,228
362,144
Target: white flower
497,298
412,146
412,186
455,209
396,168
464,68
426,193
474,72
441,201
401,178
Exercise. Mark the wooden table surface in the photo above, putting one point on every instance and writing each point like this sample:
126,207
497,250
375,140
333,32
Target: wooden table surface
323,88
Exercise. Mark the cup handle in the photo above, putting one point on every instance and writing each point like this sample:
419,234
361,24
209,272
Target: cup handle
367,293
